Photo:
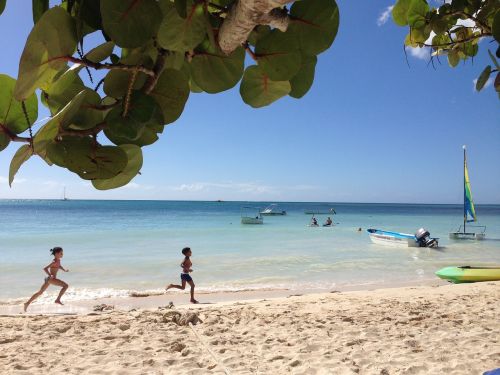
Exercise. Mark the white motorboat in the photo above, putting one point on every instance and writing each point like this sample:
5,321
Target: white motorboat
420,239
272,210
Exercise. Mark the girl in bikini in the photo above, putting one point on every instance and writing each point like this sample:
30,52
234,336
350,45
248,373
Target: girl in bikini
51,271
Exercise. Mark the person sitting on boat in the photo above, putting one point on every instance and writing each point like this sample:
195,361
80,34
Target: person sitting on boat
314,222
328,222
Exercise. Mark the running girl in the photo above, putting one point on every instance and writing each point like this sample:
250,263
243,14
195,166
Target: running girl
51,271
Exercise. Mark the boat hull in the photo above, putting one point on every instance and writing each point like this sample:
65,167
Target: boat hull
281,213
394,241
252,220
469,274
467,236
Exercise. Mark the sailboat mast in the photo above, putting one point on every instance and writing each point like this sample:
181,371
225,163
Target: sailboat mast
465,192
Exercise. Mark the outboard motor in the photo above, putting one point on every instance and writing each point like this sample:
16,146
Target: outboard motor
424,239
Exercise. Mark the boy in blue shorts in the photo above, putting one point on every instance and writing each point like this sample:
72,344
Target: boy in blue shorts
185,276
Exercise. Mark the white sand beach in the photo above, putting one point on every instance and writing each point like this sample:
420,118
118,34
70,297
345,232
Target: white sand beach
451,329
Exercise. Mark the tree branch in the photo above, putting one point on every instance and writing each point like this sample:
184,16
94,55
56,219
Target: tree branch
14,137
244,15
454,42
83,133
157,69
100,66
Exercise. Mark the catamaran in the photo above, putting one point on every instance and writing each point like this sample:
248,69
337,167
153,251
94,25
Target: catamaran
471,232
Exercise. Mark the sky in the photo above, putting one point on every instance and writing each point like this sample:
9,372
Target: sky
371,129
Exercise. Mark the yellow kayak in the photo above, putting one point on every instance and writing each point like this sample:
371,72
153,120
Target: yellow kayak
468,274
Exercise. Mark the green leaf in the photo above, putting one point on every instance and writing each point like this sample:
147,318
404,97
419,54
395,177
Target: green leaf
148,136
130,23
417,13
453,58
181,7
116,81
43,137
101,52
400,12
257,90
89,160
278,55
39,8
174,60
4,139
493,58
303,80
142,110
495,27
314,23
259,32
2,5
182,34
134,165
171,93
20,157
11,110
52,39
62,90
496,84
86,115
483,78
213,71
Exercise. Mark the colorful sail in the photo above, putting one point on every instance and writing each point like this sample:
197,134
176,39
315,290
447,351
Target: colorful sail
469,210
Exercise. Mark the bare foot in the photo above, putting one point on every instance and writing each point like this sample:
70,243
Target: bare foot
59,302
26,306
168,287
194,301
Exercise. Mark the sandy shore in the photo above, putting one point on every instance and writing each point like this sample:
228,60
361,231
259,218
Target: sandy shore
452,329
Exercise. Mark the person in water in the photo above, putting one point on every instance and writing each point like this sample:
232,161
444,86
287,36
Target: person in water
314,221
328,222
51,271
185,276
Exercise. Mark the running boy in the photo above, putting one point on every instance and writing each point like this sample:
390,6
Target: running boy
51,271
185,277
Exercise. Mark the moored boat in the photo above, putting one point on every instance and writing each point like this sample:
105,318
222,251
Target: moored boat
250,219
420,239
272,210
469,274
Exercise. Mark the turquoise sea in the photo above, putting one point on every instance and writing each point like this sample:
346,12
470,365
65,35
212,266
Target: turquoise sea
115,247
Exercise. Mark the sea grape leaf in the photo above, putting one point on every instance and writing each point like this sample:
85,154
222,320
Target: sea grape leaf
314,23
62,90
43,137
52,39
495,27
89,160
147,137
453,58
130,23
496,84
87,115
101,52
278,55
257,90
259,32
303,80
2,5
4,139
181,7
11,110
400,12
142,110
171,93
174,60
483,78
417,12
182,34
213,71
117,81
39,7
134,165
20,157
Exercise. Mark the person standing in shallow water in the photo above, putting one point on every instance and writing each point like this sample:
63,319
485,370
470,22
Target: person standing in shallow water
51,271
185,276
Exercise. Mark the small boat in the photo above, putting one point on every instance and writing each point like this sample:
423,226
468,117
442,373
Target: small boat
250,219
471,232
469,274
64,197
272,211
420,239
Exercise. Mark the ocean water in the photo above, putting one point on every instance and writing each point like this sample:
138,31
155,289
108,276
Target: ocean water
115,247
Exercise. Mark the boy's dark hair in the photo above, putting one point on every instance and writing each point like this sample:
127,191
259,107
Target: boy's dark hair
185,250
56,250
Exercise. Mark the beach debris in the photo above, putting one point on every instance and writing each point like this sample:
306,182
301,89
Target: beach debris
168,307
181,319
103,307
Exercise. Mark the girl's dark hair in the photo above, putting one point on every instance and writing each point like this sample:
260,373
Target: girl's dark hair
185,250
56,250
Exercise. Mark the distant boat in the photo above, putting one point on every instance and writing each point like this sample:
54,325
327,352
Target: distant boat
469,213
468,274
420,239
272,211
250,219
64,198
330,211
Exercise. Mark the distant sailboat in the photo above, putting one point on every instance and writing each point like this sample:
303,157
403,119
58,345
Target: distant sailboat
469,212
64,198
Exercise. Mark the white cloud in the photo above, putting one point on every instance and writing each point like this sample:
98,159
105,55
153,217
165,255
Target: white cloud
419,53
384,16
488,83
